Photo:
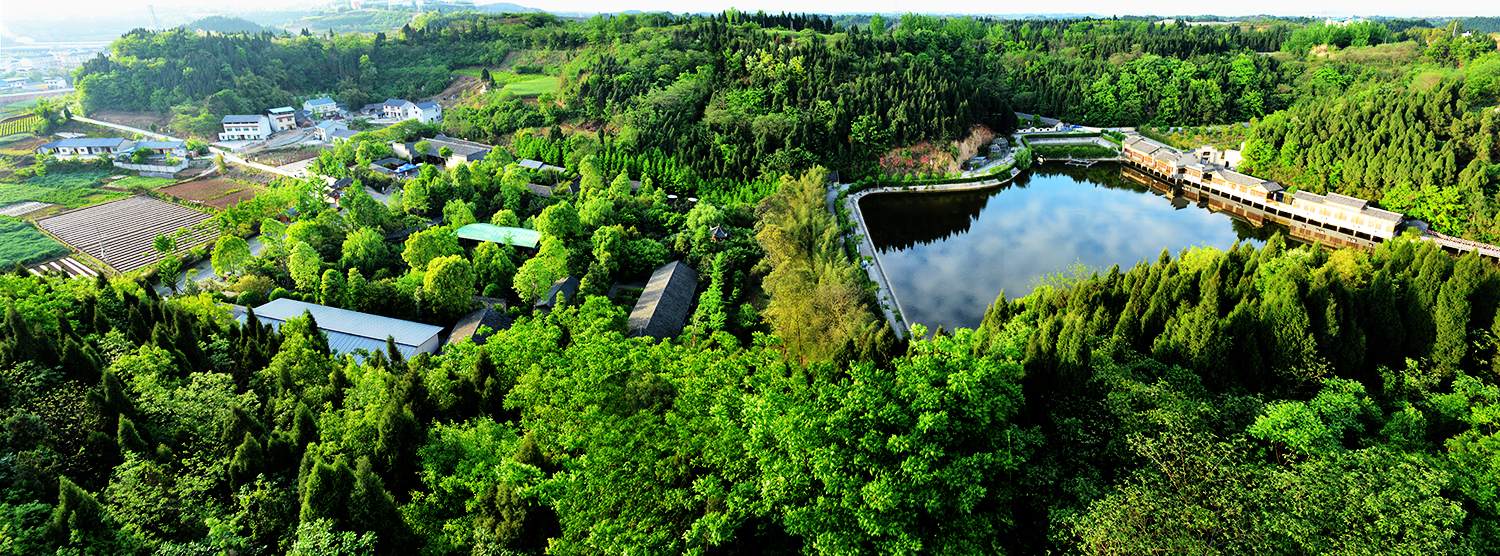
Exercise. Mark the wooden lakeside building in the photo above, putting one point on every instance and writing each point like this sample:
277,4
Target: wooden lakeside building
1349,216
1240,210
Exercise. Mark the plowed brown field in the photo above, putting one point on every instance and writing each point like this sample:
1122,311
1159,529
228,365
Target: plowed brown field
217,193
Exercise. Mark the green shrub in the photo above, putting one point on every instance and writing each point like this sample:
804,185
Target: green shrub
252,298
278,293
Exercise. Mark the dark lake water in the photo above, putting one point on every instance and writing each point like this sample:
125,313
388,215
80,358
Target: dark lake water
949,255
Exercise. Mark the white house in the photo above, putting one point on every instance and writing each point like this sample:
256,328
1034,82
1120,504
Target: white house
340,136
69,59
245,128
427,112
321,107
283,118
174,148
56,83
396,108
38,63
325,130
87,147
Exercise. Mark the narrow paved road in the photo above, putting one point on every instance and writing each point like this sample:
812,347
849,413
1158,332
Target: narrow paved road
126,128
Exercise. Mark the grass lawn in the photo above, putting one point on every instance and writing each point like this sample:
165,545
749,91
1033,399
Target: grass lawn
17,107
148,183
71,190
533,87
19,144
506,77
71,180
20,242
68,198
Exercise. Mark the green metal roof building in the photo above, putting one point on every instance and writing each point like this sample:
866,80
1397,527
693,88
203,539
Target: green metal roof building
519,237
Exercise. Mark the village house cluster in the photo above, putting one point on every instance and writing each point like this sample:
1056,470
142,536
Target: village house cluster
324,117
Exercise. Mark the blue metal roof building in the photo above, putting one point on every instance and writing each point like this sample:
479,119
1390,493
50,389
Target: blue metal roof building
351,330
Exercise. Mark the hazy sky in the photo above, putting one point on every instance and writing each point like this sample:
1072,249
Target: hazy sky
28,10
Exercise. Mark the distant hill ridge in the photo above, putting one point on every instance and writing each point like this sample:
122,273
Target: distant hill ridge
225,24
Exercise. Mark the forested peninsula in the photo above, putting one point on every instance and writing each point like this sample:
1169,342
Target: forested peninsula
1271,397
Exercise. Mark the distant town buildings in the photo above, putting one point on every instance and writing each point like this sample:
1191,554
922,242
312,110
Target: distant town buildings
1342,21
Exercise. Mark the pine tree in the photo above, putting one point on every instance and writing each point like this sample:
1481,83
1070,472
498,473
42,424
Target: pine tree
325,493
1452,314
353,294
129,438
77,512
281,453
241,422
25,346
249,460
528,453
400,435
369,503
304,427
397,360
115,403
77,365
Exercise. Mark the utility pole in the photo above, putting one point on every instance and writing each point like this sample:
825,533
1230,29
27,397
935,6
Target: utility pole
155,24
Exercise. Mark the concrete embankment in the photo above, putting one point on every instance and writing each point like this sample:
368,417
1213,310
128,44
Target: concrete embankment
890,303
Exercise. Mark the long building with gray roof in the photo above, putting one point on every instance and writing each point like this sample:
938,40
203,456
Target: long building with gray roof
352,330
664,305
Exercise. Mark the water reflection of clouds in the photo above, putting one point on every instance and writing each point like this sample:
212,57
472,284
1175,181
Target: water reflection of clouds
1025,233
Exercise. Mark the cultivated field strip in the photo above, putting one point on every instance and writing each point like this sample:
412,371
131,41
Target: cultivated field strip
66,265
19,209
120,233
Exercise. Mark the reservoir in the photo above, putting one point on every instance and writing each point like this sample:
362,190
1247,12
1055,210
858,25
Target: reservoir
948,255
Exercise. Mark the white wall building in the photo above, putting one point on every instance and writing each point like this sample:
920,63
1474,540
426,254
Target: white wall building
87,147
245,128
283,118
321,107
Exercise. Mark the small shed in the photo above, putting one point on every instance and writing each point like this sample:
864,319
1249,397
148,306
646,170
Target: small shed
469,326
563,287
539,189
664,305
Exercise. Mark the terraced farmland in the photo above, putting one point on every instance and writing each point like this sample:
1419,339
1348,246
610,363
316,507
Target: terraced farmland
19,124
120,233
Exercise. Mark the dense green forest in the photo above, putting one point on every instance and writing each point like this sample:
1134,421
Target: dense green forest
1250,401
1264,399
